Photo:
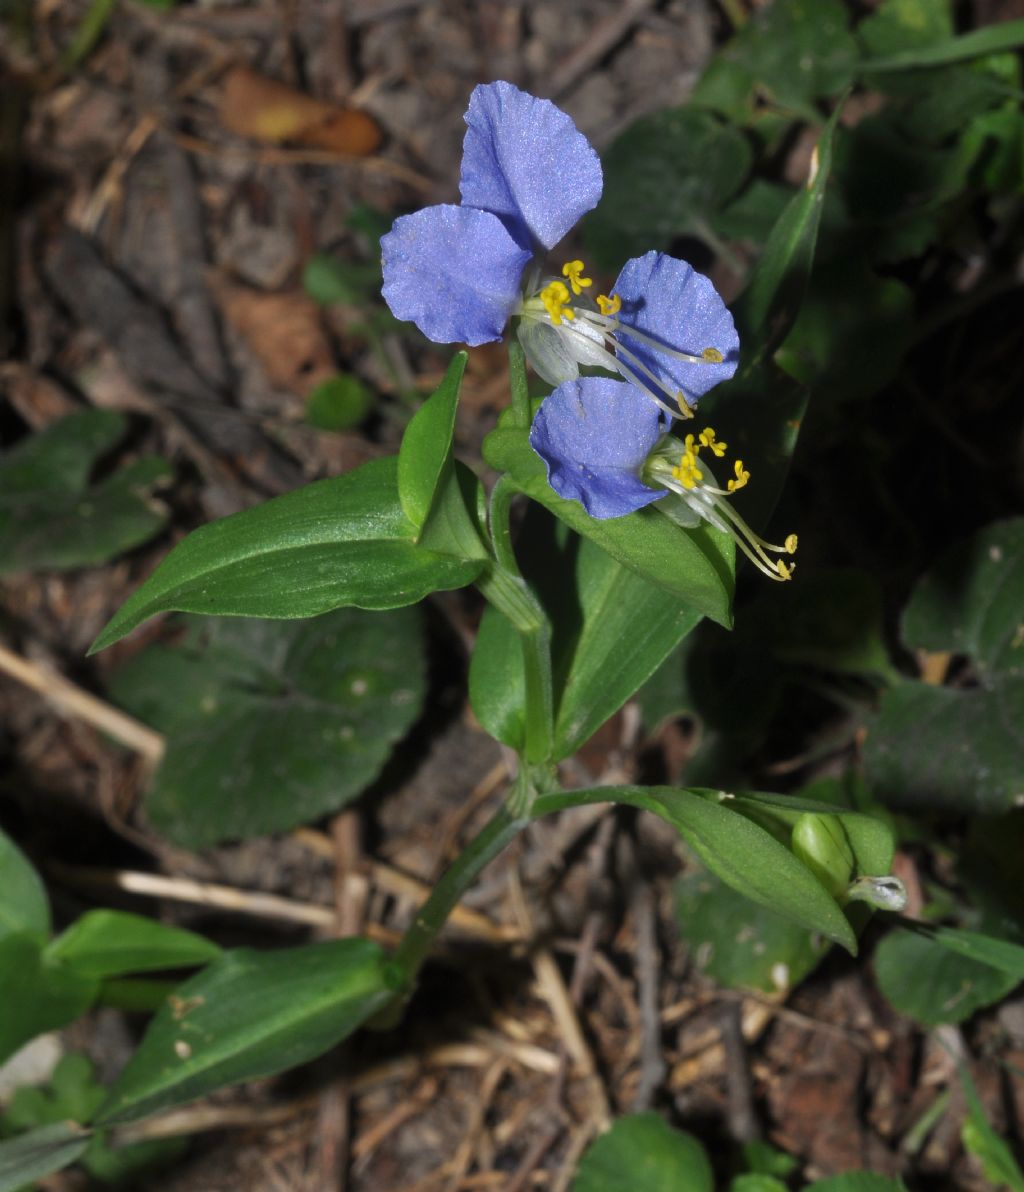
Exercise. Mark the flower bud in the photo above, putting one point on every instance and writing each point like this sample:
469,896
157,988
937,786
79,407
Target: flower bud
820,841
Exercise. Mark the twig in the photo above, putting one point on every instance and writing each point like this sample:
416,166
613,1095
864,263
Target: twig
404,886
602,37
489,1084
273,156
742,1121
552,989
73,702
652,1063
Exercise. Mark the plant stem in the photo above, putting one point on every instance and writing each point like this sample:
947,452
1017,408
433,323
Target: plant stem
511,596
464,870
521,414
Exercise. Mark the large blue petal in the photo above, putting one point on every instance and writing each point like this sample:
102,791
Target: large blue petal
594,435
525,160
454,272
670,301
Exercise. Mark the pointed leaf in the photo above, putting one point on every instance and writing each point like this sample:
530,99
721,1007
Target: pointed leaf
336,542
24,906
250,1014
427,444
39,1153
108,943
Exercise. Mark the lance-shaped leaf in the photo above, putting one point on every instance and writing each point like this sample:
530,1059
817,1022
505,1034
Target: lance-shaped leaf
344,541
39,1153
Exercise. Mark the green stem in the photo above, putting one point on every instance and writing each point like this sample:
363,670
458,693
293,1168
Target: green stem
510,595
481,850
520,412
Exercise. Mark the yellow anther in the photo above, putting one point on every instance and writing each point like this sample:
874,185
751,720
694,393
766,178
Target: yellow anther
742,476
712,356
790,544
785,570
609,306
707,439
573,270
687,473
691,445
555,297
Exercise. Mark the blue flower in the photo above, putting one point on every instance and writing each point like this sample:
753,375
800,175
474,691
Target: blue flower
603,444
460,273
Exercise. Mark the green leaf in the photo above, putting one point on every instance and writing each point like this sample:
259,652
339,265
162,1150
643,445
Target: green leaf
427,444
796,51
594,605
980,1139
50,517
959,748
328,280
899,25
273,724
998,954
339,403
948,749
336,542
109,943
694,565
738,851
644,1152
851,334
932,984
992,39
666,176
250,1014
738,943
39,1153
971,601
36,993
857,1181
775,292
755,1182
24,906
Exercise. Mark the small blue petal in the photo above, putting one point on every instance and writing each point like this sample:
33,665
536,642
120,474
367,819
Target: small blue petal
454,272
681,308
594,435
525,160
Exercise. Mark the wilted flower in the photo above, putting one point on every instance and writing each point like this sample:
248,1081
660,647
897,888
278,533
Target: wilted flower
460,273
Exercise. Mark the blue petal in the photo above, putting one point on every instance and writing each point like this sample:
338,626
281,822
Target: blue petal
454,272
679,307
594,435
525,160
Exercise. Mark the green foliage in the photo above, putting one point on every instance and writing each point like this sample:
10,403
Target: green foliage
250,1014
694,565
339,403
959,748
932,984
50,514
24,906
604,605
666,176
643,1152
74,1095
37,993
425,458
336,542
39,1153
110,943
738,943
980,1139
272,724
857,1181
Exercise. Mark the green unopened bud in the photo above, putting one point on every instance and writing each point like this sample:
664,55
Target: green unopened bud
820,841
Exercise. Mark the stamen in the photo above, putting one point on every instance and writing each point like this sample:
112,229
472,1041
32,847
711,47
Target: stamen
790,544
555,297
712,356
707,439
573,270
742,476
609,306
785,570
687,472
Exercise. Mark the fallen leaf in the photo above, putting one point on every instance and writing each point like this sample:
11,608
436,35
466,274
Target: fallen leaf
263,109
284,333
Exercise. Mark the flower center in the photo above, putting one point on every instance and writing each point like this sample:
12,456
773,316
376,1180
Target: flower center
589,332
697,487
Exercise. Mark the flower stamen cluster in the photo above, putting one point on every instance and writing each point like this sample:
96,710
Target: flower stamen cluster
711,503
